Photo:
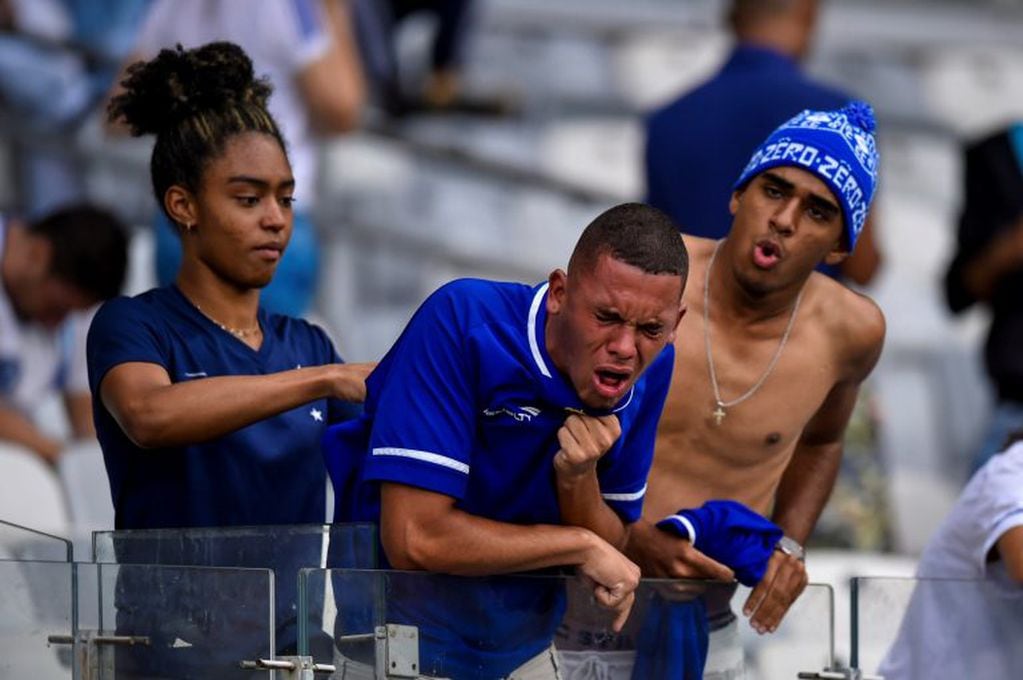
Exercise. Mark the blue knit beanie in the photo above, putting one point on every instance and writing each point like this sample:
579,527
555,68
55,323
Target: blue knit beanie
836,146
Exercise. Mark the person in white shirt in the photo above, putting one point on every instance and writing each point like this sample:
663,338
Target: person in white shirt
958,628
51,271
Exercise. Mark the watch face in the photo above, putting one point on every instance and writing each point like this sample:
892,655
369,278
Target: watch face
790,547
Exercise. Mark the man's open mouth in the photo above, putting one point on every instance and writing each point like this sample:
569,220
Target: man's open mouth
766,254
611,380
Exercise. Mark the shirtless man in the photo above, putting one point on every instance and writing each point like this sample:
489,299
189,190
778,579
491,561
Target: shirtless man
771,356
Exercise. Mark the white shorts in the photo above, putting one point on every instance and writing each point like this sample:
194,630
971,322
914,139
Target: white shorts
543,666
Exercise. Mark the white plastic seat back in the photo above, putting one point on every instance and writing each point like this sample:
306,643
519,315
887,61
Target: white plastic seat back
84,478
30,493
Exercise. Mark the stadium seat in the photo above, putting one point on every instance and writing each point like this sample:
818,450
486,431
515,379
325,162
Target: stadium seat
30,492
84,478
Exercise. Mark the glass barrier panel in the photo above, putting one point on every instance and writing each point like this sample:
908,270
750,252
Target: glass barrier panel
954,628
391,622
85,621
284,548
156,621
35,604
24,543
349,546
803,643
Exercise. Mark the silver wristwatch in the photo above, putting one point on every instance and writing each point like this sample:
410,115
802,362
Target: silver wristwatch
791,546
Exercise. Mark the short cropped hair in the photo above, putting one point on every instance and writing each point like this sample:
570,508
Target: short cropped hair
89,249
636,234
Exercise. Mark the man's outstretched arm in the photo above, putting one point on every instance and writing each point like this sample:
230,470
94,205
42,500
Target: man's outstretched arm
16,428
1010,549
809,478
424,530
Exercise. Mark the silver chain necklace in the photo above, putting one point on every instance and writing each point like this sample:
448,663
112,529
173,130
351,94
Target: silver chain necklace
721,405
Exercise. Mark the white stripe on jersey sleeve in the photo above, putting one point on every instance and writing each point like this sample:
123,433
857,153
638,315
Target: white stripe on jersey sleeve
425,456
684,521
625,496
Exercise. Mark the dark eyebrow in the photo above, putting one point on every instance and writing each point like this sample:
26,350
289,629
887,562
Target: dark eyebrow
260,183
821,202
608,312
824,205
779,180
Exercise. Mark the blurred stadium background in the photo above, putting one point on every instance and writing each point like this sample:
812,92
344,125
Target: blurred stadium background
408,204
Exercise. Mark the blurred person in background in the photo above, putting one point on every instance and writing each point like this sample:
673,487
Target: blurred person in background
50,270
378,23
987,268
58,59
699,143
307,50
957,629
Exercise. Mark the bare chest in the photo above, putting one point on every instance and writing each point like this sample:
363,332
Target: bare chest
756,403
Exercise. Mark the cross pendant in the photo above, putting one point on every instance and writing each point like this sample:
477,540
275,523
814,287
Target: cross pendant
719,414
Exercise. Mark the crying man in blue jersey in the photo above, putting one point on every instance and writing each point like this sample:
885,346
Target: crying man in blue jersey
511,429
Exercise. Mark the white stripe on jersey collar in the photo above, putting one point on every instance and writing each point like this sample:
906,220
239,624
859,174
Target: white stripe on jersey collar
534,347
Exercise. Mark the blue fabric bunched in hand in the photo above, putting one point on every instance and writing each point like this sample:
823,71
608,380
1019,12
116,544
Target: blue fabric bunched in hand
730,533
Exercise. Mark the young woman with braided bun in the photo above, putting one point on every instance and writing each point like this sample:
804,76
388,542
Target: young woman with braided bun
308,50
209,409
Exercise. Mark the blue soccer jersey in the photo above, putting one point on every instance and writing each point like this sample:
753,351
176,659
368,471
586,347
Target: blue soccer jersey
468,404
270,472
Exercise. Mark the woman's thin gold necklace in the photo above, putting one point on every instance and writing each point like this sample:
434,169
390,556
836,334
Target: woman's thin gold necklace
240,333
